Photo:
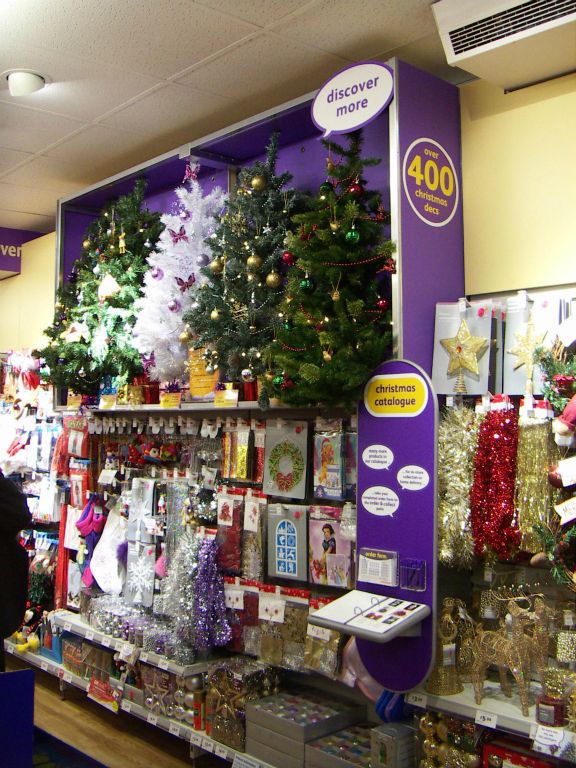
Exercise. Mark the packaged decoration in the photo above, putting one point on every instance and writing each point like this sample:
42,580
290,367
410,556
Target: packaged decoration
322,646
330,553
230,503
350,462
343,749
285,459
76,438
329,460
287,541
259,432
255,505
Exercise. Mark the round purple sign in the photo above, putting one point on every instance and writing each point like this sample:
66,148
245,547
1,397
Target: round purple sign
430,182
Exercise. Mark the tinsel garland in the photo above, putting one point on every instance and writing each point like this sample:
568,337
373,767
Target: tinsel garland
209,611
179,587
492,512
457,438
537,451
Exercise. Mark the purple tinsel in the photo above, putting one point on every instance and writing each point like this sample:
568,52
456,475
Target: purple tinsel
122,553
209,610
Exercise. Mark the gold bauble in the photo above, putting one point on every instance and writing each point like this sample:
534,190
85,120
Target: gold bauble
273,280
269,375
326,356
215,314
335,225
335,296
86,244
330,167
184,337
216,266
258,183
253,262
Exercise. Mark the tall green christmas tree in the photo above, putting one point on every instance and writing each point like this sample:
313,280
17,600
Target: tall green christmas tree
235,311
335,325
91,335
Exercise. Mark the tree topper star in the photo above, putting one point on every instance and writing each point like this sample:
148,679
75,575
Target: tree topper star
464,350
526,345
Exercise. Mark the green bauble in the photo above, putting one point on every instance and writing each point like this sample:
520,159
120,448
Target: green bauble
352,236
325,189
307,284
278,380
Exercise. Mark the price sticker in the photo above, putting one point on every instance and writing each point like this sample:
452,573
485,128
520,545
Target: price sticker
417,699
144,656
67,626
67,677
174,729
163,663
126,705
486,719
243,761
430,182
44,666
207,745
152,718
195,739
221,751
106,641
488,574
89,634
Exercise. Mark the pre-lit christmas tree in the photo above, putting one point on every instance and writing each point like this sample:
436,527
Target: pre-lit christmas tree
91,335
335,325
173,278
235,310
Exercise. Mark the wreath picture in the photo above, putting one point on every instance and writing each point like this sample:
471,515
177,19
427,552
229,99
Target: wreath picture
286,465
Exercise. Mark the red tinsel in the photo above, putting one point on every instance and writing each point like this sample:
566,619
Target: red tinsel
492,513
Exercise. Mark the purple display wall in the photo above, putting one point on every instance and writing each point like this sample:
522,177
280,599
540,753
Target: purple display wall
11,241
396,501
429,206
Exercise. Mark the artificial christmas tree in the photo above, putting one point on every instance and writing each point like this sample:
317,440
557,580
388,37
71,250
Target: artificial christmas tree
236,309
335,317
173,278
91,335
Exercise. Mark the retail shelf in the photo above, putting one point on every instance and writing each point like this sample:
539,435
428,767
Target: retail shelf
495,710
71,622
46,665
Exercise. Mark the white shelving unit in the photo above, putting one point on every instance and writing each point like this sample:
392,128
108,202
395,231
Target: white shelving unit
46,665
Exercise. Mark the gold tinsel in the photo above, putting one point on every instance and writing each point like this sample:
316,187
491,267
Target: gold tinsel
537,451
457,438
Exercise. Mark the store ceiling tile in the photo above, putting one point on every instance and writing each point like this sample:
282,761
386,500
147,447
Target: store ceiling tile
372,29
260,12
27,198
9,158
30,130
147,36
46,173
31,222
283,69
166,110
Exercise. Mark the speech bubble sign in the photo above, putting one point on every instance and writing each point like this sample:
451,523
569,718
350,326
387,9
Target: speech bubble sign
413,478
353,97
380,501
377,456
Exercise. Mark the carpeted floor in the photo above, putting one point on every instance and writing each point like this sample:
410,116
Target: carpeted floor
52,753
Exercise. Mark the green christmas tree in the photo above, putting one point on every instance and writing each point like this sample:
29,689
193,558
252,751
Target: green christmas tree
235,311
335,325
91,335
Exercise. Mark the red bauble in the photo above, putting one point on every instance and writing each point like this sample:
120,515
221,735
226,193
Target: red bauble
287,384
355,189
382,304
288,258
554,477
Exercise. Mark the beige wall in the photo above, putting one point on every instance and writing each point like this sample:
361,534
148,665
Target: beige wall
519,185
27,300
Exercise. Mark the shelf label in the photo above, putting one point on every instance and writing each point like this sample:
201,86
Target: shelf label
126,705
143,656
67,677
430,182
174,729
221,751
67,626
196,739
152,718
106,641
44,666
89,634
163,663
486,719
546,736
417,699
243,761
207,745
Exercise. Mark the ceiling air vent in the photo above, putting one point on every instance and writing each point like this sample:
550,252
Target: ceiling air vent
509,43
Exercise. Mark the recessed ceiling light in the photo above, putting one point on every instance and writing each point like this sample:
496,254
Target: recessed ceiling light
22,82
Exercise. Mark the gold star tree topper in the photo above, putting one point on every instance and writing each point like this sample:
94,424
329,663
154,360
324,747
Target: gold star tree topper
464,351
526,344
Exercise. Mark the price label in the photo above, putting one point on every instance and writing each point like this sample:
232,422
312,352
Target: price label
174,729
126,705
195,739
106,641
430,182
67,626
488,574
163,663
243,761
44,666
221,751
486,719
548,737
417,699
144,656
152,718
67,677
208,745
89,634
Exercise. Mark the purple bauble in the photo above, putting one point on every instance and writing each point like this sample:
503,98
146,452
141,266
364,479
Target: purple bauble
157,273
174,305
203,259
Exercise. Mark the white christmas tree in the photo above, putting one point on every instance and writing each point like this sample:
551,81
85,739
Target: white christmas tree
174,277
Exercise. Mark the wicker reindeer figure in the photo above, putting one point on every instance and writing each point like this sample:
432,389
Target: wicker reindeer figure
507,653
540,639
